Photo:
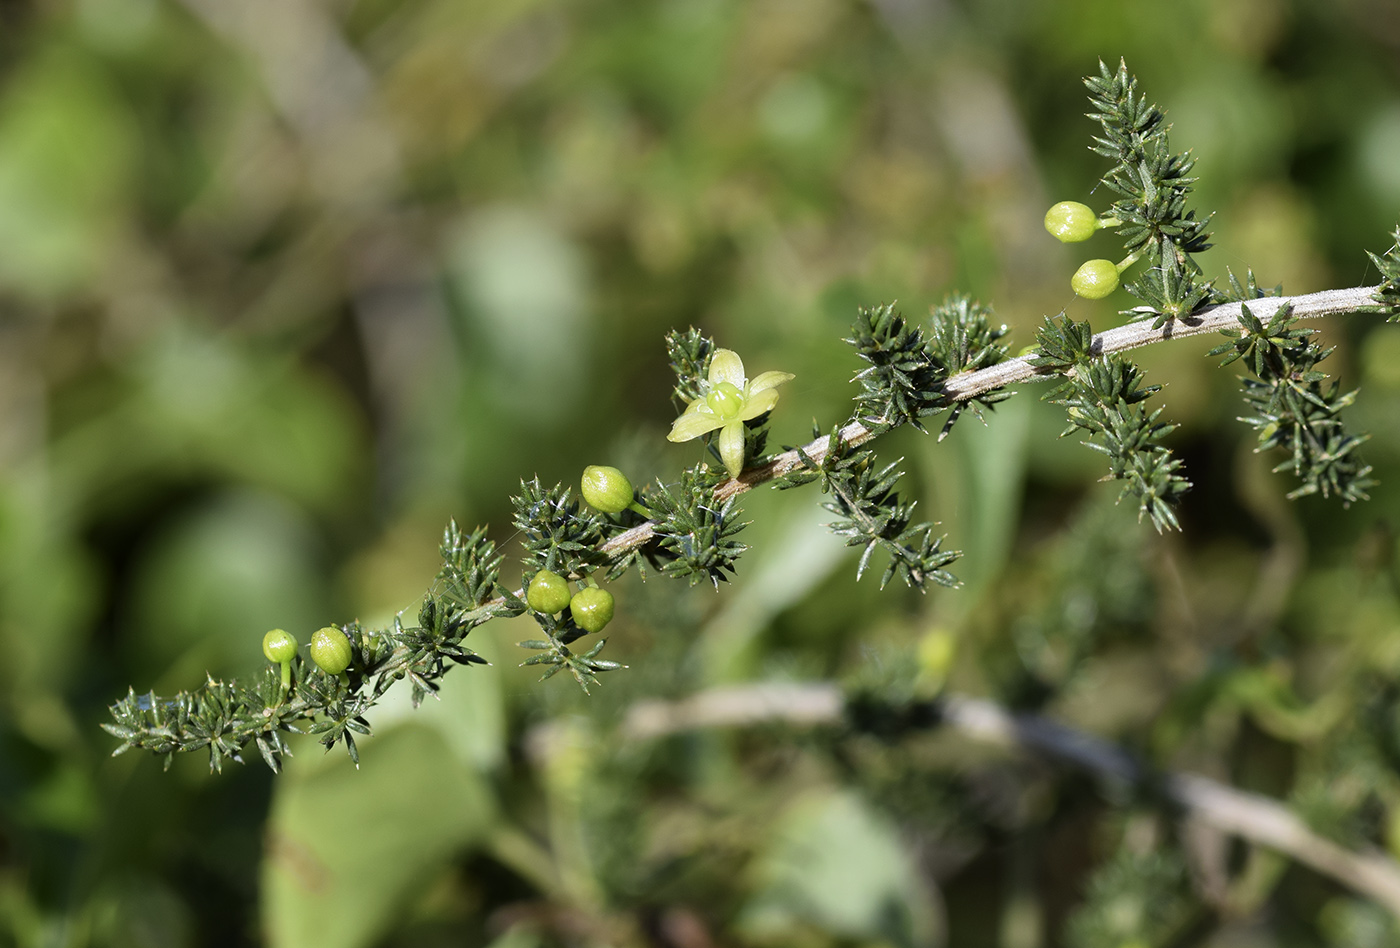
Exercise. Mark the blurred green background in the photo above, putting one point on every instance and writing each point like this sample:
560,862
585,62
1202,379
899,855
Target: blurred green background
285,285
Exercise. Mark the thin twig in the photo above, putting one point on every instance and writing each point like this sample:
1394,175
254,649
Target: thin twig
1250,816
967,385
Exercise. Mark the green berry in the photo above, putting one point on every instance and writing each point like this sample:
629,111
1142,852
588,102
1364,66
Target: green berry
1096,279
330,649
1070,222
279,646
592,608
606,488
548,592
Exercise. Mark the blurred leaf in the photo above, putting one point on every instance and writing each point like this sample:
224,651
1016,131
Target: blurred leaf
66,148
48,590
834,863
348,849
220,577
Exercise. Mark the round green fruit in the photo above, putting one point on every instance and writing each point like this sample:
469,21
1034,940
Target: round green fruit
1096,279
592,608
279,646
606,488
1070,222
548,592
330,650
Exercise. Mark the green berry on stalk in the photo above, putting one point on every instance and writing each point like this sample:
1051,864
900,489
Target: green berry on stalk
592,608
330,650
606,488
1070,222
548,592
1095,279
279,646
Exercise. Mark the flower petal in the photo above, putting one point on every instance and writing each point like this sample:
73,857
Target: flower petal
694,423
731,447
758,404
726,366
769,380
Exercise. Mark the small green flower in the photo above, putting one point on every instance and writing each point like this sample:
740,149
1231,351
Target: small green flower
727,400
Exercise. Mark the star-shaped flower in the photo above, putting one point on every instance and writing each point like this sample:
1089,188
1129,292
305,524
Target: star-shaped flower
727,400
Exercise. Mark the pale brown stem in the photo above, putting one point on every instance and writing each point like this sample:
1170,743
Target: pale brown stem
1250,816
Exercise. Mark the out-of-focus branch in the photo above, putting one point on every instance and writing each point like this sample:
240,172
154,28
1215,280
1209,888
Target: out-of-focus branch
1250,816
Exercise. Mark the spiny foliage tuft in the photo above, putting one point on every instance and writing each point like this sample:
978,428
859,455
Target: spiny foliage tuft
1293,408
561,534
695,533
1136,898
1388,295
1103,396
690,353
963,339
903,380
1154,186
875,516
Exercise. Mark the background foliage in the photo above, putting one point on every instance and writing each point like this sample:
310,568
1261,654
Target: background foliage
284,286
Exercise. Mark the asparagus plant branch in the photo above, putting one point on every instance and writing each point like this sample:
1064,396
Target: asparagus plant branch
968,385
688,529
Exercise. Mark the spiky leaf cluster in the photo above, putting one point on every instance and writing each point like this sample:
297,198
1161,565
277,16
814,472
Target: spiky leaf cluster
1062,344
224,717
903,380
1153,185
1248,290
1388,294
1139,899
467,579
874,516
556,655
1104,397
1293,407
560,532
695,533
690,353
962,338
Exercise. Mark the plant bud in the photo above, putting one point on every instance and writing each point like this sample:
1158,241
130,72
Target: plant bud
330,650
592,608
1070,222
1095,279
548,592
606,488
279,646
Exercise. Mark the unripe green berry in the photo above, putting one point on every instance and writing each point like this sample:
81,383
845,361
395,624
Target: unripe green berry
279,646
330,649
592,608
548,592
1095,279
1070,222
606,488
